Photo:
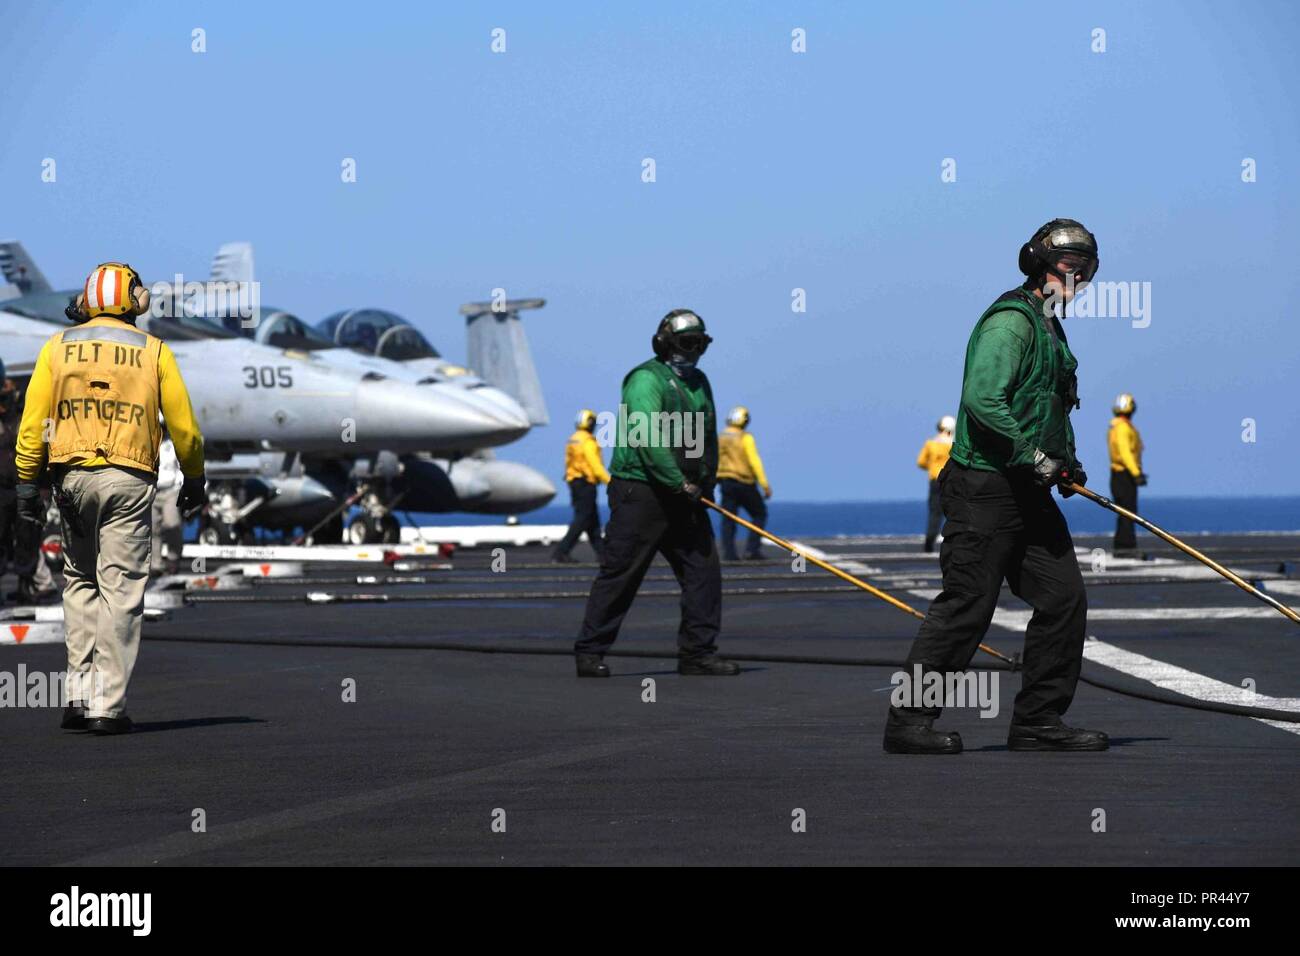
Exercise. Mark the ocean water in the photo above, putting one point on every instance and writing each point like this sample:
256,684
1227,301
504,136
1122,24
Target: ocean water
828,519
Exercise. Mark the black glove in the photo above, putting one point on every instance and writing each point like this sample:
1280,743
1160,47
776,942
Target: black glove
193,495
30,506
1140,480
73,313
691,490
1076,475
1047,470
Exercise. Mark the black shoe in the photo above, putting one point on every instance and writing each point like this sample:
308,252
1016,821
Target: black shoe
590,665
920,737
730,557
753,557
109,726
558,558
711,666
74,717
1055,737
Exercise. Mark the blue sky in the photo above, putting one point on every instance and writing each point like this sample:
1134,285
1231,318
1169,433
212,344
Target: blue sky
775,171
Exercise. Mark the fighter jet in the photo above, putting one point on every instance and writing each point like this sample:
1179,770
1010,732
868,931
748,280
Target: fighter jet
373,341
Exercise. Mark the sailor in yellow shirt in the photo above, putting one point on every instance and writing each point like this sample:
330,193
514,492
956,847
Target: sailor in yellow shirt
740,476
1126,474
583,471
934,455
91,420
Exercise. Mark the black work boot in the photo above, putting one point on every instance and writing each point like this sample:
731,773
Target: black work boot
590,665
711,666
109,726
918,736
1055,737
563,558
74,716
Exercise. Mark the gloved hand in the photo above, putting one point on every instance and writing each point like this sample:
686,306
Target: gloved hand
1076,475
1047,470
691,490
30,506
193,495
1140,480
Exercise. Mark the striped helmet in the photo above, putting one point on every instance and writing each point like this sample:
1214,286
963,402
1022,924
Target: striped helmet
114,288
1124,404
739,416
586,420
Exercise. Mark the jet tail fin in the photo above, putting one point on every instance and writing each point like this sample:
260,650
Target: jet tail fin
233,262
230,282
499,352
20,271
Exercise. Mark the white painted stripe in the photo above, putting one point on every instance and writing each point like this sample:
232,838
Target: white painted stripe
853,567
1017,619
1188,683
1283,587
92,290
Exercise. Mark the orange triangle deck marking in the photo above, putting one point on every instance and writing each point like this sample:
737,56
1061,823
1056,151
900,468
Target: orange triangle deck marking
19,631
266,569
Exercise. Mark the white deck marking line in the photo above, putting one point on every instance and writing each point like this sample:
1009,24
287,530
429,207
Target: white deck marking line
853,567
1188,683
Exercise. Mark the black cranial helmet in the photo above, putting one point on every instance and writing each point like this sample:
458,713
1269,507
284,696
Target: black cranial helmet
681,331
1060,240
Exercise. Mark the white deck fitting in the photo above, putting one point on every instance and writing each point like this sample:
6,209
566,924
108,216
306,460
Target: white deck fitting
478,535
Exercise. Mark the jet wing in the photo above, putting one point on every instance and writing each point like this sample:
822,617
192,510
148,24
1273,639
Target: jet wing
21,340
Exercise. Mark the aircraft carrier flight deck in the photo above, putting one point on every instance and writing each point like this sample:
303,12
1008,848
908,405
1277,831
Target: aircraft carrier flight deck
426,711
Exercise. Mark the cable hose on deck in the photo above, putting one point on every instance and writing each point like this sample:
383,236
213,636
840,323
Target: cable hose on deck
1159,697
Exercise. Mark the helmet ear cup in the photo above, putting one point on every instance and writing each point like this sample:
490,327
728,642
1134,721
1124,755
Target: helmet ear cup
141,297
1029,259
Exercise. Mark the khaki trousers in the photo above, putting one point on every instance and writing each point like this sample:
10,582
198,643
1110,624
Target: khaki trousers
106,570
168,532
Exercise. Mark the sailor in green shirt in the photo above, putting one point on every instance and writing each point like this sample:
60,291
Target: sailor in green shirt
1013,443
665,460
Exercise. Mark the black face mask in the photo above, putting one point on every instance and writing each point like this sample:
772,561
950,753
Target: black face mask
681,364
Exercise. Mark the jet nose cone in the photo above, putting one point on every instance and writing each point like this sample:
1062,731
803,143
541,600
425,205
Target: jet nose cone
501,405
516,488
312,492
428,418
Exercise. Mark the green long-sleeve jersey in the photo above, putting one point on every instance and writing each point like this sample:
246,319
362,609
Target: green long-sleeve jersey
667,428
1018,388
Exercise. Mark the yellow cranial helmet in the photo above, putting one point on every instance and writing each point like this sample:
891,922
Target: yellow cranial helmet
738,416
113,288
947,423
1124,404
586,419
